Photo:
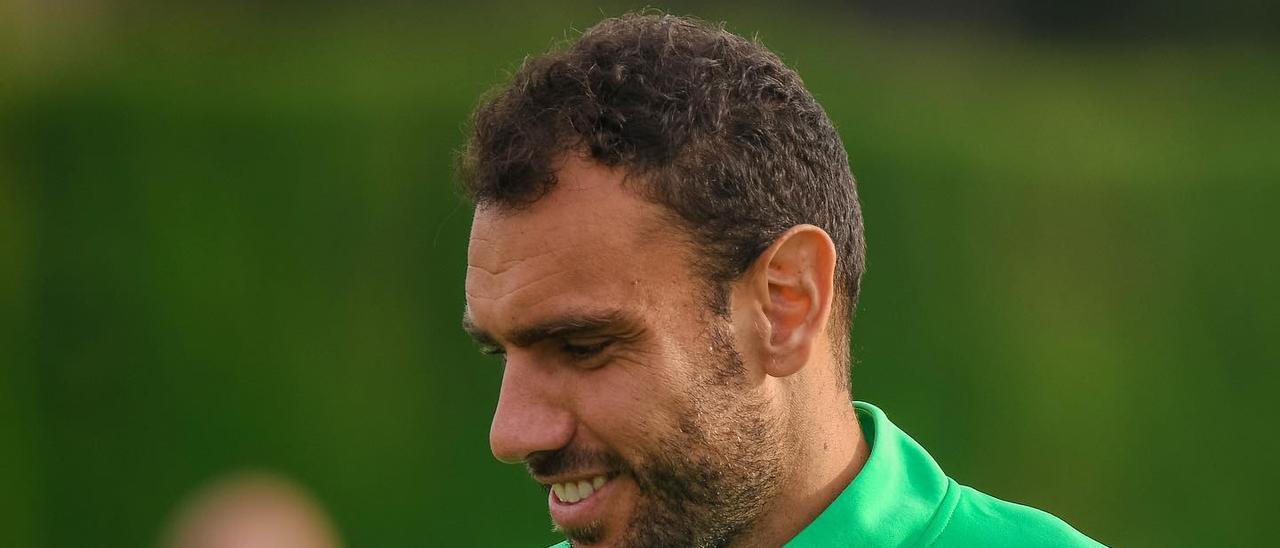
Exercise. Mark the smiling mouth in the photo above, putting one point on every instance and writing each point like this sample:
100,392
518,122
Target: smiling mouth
572,492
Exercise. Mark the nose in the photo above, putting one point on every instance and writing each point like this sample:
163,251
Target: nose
530,416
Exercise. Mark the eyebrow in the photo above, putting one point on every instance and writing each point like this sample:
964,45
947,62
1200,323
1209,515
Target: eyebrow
564,326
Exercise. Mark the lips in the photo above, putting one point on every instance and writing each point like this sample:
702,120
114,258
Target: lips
580,502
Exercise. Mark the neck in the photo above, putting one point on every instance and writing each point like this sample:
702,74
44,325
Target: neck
829,451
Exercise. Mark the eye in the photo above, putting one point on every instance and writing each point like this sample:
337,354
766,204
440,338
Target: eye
579,352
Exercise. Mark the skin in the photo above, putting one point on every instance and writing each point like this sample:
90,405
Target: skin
714,431
251,510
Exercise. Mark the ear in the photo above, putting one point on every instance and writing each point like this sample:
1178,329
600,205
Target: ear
787,294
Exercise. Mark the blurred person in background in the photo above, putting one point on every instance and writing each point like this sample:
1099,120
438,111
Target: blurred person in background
250,510
666,252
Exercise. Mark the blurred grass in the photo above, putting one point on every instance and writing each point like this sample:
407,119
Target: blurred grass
230,239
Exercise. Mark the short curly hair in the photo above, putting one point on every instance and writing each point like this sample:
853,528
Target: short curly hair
714,126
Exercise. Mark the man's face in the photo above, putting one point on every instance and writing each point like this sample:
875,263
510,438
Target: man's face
618,381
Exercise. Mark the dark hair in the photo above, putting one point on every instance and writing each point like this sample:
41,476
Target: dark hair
712,126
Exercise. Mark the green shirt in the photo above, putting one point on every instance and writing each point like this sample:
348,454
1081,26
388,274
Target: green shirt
902,498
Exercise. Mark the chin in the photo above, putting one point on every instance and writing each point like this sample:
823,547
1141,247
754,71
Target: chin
595,535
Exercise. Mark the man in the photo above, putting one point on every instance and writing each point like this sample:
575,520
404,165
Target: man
666,251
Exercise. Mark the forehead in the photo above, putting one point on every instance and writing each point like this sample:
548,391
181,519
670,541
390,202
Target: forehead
588,244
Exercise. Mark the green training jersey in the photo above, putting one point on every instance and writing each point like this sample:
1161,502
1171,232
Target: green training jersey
902,498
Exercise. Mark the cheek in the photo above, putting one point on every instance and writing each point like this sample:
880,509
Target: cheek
628,404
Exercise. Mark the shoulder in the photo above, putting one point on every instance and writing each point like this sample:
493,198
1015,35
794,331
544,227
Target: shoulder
983,520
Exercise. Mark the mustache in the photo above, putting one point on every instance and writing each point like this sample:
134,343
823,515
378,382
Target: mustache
571,459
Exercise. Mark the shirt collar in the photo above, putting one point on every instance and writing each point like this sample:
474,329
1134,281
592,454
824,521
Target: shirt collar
893,499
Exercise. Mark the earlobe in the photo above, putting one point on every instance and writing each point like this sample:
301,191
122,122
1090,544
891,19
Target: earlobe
798,277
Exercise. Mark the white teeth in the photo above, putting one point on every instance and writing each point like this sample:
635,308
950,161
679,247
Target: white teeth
572,492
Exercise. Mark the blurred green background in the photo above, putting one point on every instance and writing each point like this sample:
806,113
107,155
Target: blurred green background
229,238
